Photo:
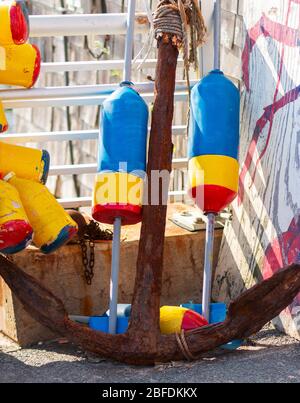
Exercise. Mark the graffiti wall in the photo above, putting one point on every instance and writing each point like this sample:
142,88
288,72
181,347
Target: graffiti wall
265,232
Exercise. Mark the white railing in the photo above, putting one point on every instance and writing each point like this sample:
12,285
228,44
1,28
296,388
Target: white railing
84,24
95,66
70,25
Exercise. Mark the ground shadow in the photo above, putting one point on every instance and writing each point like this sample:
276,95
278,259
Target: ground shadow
270,357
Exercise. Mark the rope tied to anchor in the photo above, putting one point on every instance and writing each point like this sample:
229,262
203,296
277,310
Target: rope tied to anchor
183,20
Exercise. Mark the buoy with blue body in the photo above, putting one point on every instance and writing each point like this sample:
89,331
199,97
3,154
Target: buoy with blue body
213,157
214,142
119,185
173,319
118,193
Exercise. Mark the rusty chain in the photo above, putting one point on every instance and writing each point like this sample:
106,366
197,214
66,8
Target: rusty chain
93,232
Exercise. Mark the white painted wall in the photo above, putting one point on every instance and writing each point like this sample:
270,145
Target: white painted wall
264,234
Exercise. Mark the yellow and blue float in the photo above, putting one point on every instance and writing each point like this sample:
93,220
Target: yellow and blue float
213,167
119,184
25,162
214,143
52,226
173,319
118,192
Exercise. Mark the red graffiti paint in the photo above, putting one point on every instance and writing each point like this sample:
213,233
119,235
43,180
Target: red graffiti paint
283,251
288,37
266,118
268,28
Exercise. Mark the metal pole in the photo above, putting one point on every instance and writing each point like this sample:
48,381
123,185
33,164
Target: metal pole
114,281
129,40
209,256
210,230
115,264
217,35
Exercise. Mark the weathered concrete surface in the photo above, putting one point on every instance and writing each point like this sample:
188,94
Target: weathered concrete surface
62,273
271,358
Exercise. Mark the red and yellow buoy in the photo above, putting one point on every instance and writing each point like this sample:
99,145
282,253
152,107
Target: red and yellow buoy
19,65
174,319
15,229
122,158
19,61
51,224
214,143
14,23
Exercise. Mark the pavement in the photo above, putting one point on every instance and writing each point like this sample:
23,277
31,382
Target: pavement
268,357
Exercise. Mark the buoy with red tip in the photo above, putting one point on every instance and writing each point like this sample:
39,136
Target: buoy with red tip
122,157
20,62
51,224
14,23
118,194
213,151
21,65
174,319
15,230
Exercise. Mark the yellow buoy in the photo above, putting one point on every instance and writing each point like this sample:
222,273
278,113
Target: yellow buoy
52,226
25,162
19,65
3,120
15,230
174,319
14,22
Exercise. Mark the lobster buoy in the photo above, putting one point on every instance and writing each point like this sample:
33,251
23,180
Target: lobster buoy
119,184
214,142
19,65
175,319
52,226
25,162
14,23
15,229
3,120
